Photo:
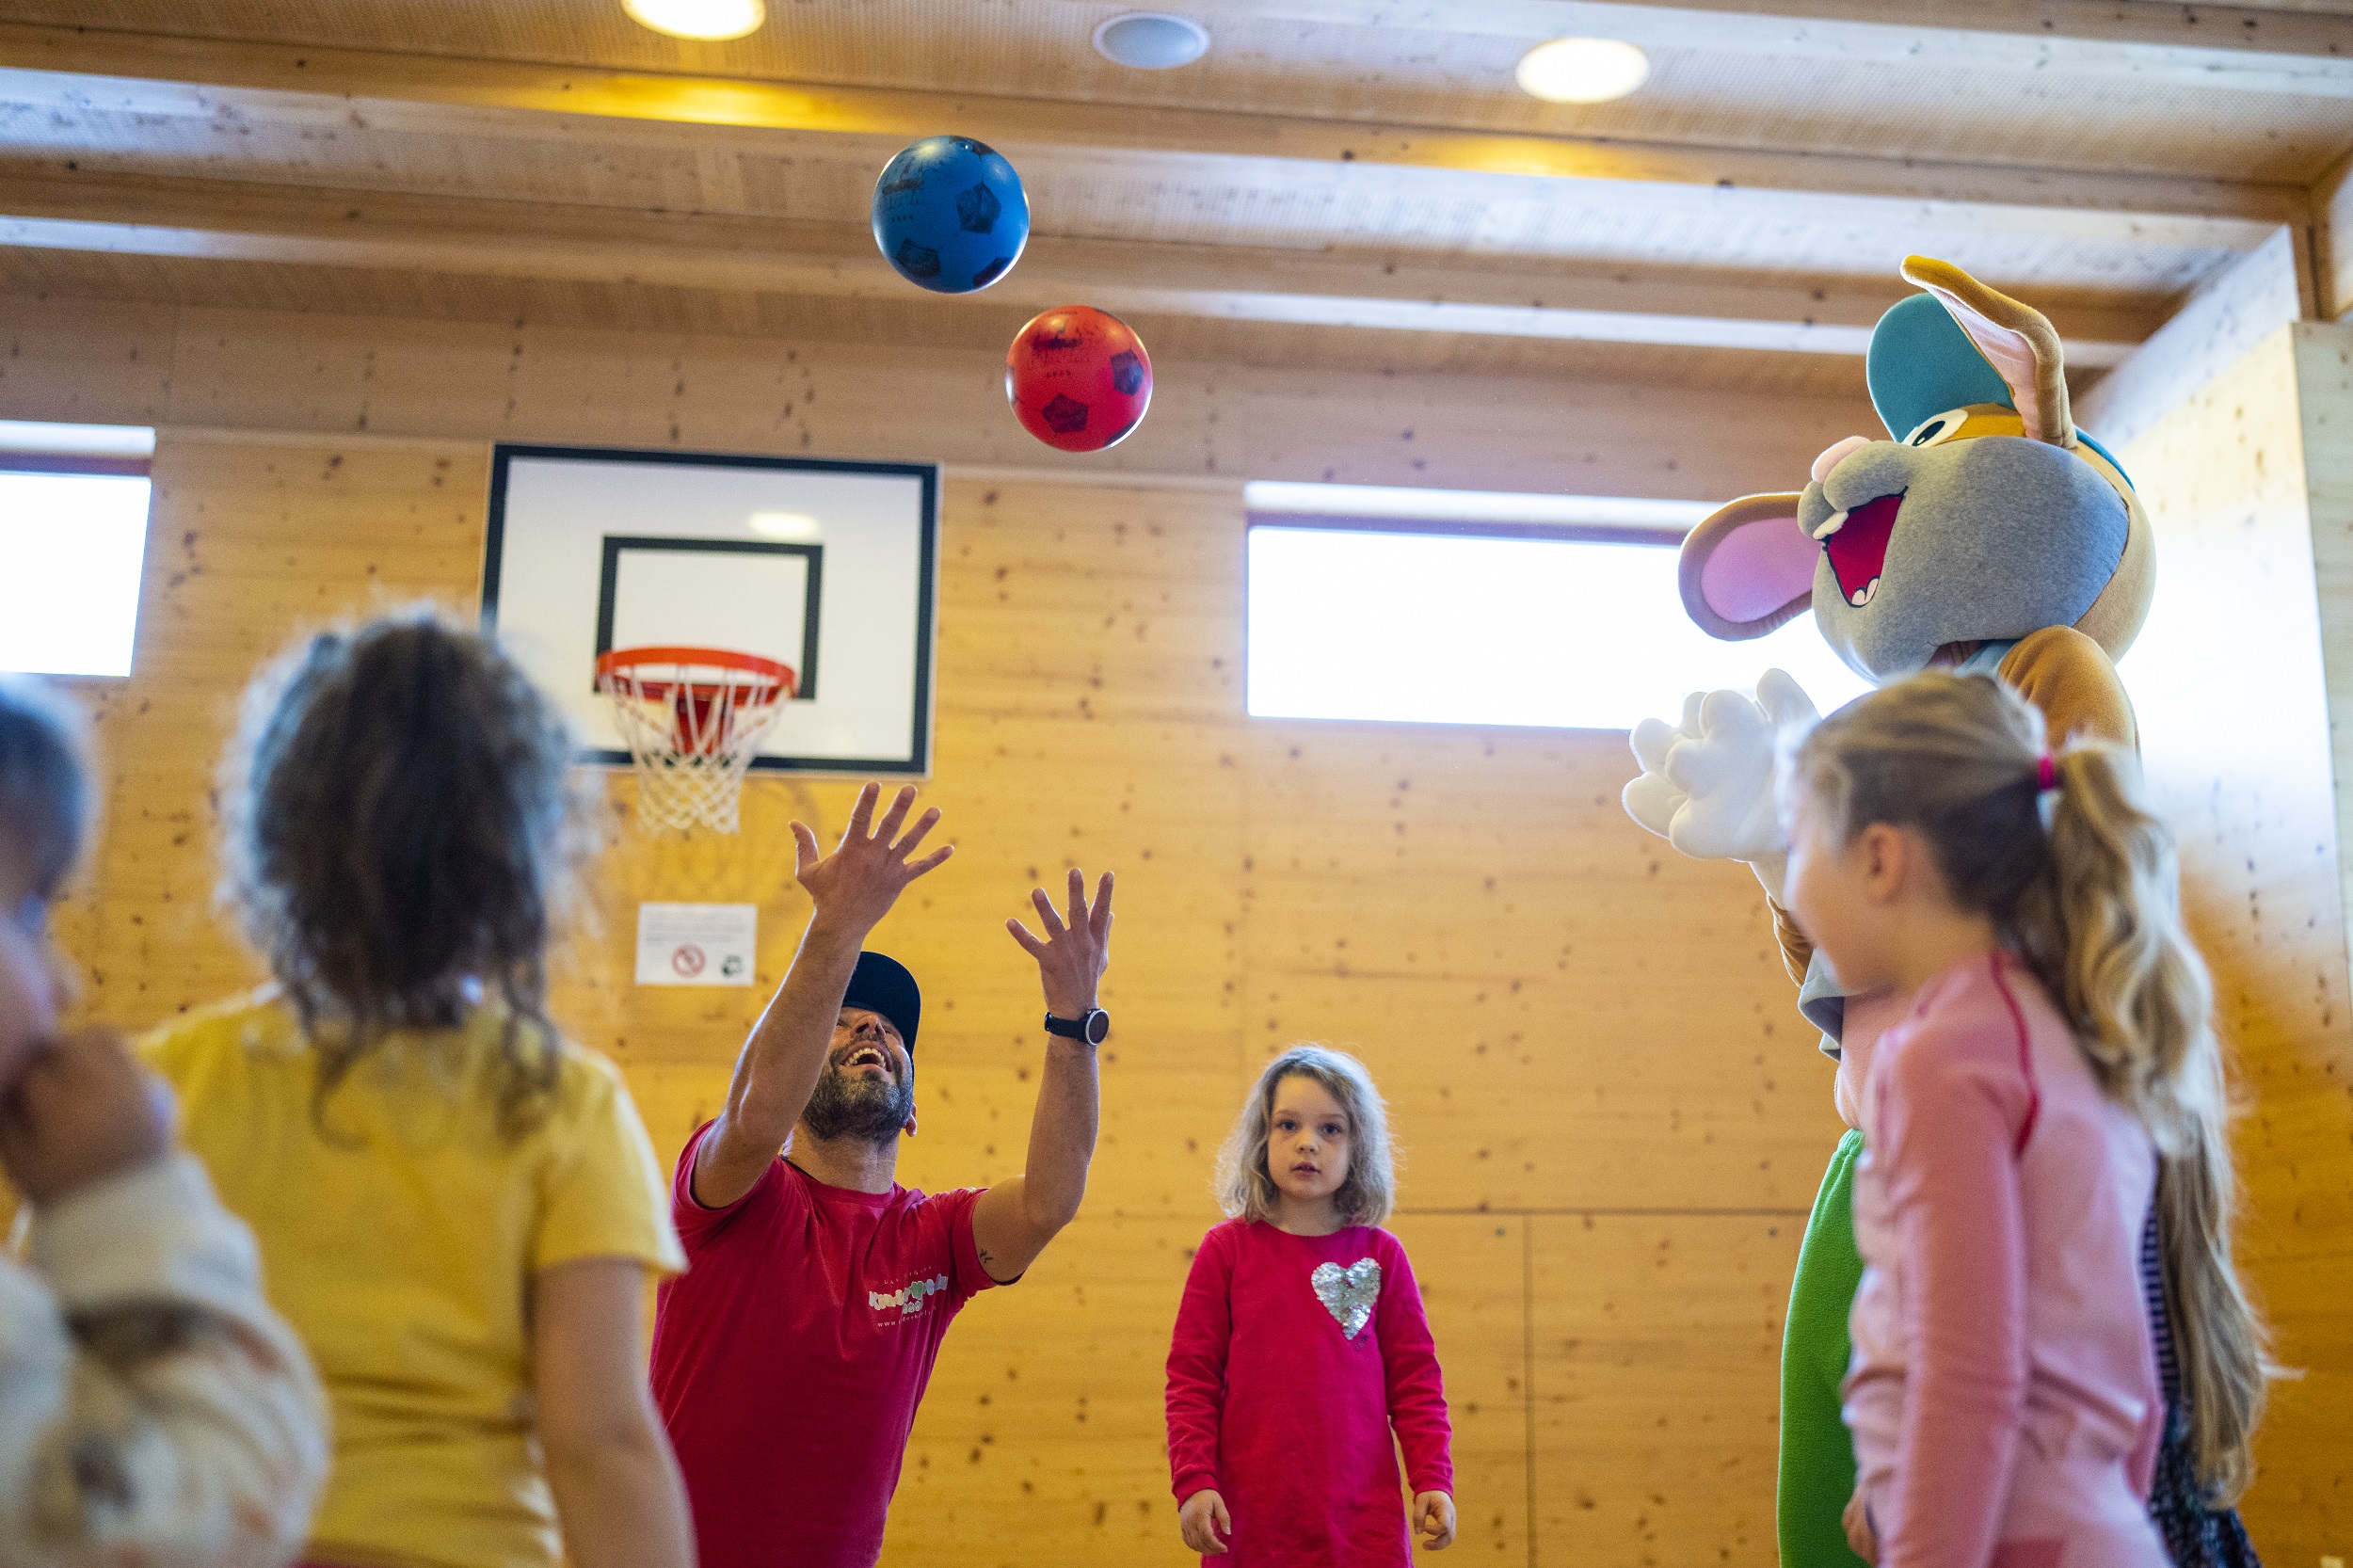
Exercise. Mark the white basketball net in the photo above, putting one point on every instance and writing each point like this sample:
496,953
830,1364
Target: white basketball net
693,729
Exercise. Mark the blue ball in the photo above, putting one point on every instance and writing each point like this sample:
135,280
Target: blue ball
950,215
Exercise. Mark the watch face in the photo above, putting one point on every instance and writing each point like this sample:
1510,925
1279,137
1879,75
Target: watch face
1098,1024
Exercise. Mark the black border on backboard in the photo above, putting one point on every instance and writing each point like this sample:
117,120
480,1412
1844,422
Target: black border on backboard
917,763
812,590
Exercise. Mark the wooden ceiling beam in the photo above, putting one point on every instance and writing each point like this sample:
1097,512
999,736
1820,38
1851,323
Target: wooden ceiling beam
2332,202
462,236
74,69
2241,48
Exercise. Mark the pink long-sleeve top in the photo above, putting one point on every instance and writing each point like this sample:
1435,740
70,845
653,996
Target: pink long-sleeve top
1294,1358
2004,1393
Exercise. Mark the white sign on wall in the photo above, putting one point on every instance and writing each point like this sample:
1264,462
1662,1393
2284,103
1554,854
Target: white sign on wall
696,944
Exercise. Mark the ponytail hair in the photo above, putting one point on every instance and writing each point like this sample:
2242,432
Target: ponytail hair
2092,902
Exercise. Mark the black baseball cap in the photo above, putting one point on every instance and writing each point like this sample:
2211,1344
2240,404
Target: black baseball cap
881,985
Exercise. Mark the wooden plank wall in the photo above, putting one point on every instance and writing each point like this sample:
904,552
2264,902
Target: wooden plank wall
1611,1117
1611,1130
215,368
2247,486
1613,1120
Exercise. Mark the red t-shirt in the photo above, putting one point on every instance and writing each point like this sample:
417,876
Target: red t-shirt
789,1358
1294,1359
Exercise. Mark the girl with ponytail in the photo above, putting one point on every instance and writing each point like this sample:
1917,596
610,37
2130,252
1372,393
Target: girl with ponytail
2057,1076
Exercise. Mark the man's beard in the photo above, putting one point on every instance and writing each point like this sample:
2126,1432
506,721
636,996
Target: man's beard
846,1106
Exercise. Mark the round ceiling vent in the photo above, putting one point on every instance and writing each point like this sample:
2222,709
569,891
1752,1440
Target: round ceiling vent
1151,40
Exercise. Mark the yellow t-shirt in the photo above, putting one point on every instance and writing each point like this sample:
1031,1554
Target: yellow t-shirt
401,1242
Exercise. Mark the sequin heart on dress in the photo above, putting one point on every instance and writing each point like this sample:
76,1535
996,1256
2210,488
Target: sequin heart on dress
1348,1293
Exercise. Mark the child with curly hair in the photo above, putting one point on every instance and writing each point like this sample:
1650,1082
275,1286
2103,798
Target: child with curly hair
457,1207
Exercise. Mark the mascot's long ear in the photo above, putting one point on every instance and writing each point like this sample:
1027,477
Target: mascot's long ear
1748,568
2017,340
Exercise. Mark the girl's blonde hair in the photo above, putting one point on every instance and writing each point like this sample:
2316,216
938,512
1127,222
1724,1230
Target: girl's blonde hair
1245,1188
2093,903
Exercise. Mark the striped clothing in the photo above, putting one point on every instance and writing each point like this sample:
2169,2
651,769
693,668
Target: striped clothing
2195,1535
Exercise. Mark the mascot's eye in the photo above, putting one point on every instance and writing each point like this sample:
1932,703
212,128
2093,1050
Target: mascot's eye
1944,428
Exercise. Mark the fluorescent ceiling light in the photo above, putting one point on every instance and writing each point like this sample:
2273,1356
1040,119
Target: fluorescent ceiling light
1420,505
709,20
1151,40
76,440
1582,69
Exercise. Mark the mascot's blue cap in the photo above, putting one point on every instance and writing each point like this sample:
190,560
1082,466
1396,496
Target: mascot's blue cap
1922,363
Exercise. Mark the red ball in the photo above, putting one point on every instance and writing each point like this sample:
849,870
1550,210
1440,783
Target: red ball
1077,378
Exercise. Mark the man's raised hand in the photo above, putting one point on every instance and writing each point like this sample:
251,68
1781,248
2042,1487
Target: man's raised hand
1075,951
856,885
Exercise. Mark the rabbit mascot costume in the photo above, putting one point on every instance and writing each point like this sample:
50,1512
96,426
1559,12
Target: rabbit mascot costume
1987,534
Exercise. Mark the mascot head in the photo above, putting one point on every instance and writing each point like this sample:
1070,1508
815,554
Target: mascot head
1987,516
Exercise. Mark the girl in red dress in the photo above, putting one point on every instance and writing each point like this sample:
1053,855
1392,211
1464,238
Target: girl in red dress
1301,1343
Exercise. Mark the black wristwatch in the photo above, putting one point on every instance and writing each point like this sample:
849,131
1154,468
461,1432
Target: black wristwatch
1091,1028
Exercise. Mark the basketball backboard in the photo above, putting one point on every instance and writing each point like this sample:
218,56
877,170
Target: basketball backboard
825,567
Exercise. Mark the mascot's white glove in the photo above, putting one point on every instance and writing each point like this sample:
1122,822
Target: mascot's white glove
1706,785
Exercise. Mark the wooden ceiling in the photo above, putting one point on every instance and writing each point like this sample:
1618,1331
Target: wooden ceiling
1343,181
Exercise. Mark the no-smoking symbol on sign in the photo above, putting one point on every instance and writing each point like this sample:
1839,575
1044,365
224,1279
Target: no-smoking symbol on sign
688,960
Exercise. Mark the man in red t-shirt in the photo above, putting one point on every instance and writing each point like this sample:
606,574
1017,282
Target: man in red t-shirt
789,1358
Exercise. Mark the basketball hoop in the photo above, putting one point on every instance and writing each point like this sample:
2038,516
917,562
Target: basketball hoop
694,718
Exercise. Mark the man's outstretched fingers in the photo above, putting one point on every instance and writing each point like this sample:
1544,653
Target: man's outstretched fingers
1099,918
1046,913
805,850
861,814
897,814
1030,944
914,835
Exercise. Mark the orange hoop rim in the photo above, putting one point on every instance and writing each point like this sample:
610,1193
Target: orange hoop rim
624,663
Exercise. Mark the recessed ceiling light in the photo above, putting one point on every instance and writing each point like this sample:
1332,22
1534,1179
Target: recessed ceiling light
710,20
1582,69
1151,40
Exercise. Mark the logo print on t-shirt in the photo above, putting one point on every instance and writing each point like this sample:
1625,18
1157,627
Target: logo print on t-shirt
908,1299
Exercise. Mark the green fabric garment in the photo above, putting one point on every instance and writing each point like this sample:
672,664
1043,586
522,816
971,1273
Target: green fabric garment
1817,1454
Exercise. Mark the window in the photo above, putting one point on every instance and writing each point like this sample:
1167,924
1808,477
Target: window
72,534
1464,607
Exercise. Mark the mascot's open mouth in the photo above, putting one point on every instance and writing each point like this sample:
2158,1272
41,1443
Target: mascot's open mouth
1856,542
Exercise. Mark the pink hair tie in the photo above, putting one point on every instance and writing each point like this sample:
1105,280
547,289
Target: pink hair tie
2045,773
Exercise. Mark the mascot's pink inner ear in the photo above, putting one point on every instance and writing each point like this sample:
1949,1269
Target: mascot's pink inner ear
1759,568
2011,353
